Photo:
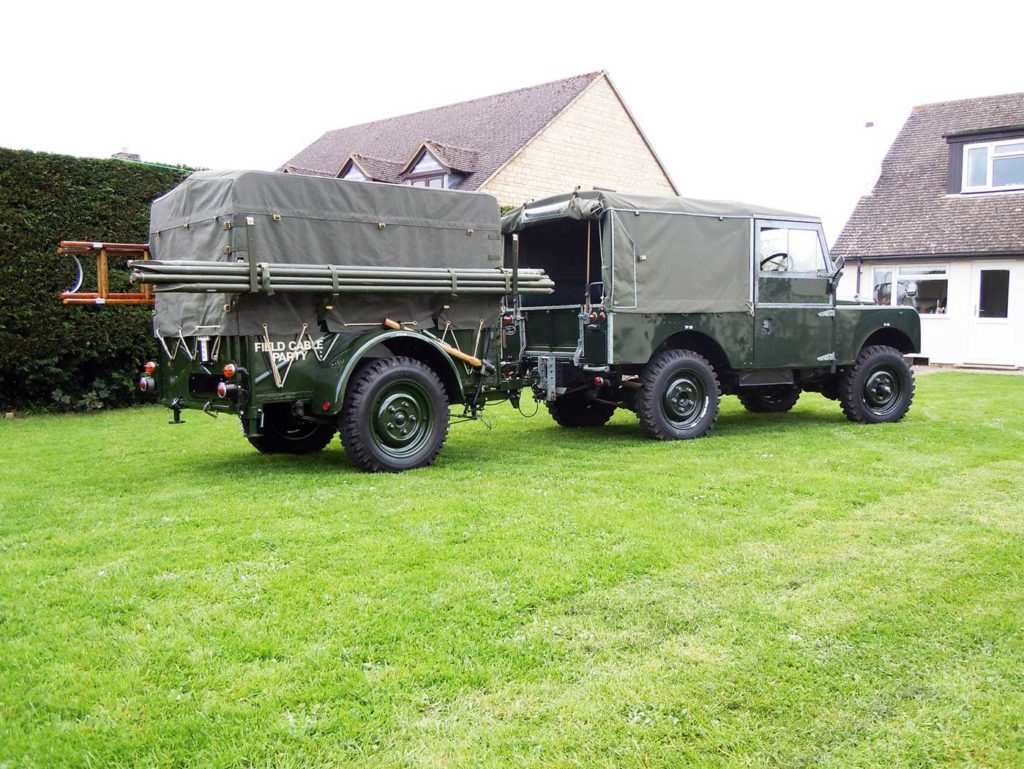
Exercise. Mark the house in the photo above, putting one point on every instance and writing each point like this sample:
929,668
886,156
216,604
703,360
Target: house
518,146
943,230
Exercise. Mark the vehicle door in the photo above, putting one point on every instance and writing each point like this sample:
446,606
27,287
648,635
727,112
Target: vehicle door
794,309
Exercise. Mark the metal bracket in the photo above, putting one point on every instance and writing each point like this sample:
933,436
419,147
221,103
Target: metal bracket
546,371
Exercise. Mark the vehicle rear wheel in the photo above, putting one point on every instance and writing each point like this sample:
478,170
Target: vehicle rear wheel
680,396
395,416
576,410
770,400
878,387
285,433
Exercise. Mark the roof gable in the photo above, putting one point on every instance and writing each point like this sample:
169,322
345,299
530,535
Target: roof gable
911,212
481,133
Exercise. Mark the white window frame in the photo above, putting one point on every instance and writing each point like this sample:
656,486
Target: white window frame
990,146
914,272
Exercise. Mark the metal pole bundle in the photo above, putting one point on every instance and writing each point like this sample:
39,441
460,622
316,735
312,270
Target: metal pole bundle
193,276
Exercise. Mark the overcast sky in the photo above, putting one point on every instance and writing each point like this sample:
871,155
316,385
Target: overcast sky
765,103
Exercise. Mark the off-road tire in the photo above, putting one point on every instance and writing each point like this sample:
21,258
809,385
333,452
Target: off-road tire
395,416
680,396
770,400
285,434
878,387
576,410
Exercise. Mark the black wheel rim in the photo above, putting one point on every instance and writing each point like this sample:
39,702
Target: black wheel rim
882,390
401,419
685,400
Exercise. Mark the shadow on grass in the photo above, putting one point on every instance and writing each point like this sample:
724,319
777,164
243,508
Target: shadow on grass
524,451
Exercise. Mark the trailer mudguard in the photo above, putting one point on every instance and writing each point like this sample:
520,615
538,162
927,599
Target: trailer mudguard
433,354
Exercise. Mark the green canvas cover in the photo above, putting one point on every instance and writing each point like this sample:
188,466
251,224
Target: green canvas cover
662,254
314,220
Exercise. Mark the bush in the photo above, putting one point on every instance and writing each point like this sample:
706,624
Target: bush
61,357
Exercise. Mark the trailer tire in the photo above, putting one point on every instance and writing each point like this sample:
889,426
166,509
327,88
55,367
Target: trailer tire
770,400
576,410
283,434
395,415
680,396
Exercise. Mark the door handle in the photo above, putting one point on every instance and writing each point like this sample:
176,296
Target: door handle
766,326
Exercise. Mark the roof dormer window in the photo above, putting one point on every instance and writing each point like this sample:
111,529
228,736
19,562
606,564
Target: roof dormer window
427,171
352,173
993,166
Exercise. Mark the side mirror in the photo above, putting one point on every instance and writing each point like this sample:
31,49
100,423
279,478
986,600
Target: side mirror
837,273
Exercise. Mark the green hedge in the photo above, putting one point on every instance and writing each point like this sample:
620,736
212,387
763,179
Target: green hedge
61,357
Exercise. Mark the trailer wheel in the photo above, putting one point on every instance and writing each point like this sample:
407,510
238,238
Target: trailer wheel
284,434
395,416
878,387
770,400
576,410
680,396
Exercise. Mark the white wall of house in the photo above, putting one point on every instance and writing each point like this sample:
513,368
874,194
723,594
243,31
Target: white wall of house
958,333
592,143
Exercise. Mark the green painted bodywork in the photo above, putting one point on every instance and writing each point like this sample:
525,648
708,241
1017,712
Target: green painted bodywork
797,337
319,385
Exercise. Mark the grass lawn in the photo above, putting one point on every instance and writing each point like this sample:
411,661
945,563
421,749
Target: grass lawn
795,590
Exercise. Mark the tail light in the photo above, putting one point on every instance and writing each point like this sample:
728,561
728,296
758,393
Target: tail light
229,370
225,390
147,383
598,381
149,367
593,317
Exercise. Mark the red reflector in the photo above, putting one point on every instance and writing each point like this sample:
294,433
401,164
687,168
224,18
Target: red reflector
229,371
327,405
598,381
149,367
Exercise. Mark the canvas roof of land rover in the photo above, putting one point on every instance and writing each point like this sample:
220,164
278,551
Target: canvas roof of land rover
646,254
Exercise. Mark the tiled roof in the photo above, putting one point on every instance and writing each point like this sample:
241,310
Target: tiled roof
377,168
482,133
910,213
456,158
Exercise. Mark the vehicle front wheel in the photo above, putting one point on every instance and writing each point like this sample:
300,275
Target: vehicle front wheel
679,398
285,433
878,387
395,416
576,410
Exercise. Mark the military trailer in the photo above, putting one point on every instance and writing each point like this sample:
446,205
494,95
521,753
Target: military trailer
308,307
663,305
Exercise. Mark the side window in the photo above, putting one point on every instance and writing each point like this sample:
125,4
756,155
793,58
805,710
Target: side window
784,249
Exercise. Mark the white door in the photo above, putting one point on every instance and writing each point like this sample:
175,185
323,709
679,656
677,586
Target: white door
990,337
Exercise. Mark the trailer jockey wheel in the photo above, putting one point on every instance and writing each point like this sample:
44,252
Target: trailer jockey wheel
283,433
395,415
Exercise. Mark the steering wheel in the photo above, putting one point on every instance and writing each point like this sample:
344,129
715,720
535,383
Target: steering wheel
778,259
